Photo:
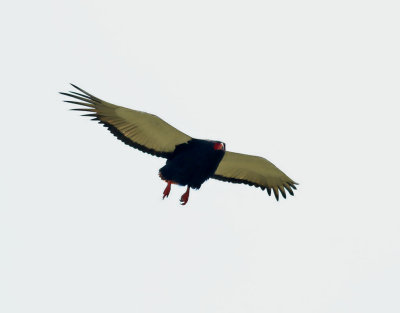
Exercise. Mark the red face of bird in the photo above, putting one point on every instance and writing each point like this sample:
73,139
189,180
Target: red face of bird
219,146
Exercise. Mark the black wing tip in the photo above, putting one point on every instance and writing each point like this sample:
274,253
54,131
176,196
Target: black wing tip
276,190
78,88
67,94
290,191
85,92
90,114
84,99
79,109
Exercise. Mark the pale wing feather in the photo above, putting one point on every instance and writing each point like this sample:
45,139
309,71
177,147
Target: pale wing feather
254,171
141,130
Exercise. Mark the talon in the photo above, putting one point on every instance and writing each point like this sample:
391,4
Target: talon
167,189
185,196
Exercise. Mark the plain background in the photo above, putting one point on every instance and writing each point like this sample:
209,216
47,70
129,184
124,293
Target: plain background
311,85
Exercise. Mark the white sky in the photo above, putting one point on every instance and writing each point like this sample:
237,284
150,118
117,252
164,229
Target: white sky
313,86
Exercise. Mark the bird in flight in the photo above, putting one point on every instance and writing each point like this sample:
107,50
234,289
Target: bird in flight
190,161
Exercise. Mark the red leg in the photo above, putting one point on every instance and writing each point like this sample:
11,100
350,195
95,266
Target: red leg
167,189
185,196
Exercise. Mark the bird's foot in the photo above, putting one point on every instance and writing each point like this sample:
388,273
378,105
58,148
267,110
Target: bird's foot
185,196
167,189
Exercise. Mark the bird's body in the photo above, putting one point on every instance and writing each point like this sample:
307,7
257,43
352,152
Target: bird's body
190,161
191,164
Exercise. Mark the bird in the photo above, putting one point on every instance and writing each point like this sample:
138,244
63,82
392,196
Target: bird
189,161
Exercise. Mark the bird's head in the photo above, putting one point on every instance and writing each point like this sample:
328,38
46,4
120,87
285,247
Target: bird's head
218,145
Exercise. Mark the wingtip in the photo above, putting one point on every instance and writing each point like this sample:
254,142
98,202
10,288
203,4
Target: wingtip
282,190
276,193
85,92
287,187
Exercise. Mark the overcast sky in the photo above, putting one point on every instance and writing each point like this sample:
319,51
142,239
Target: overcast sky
313,86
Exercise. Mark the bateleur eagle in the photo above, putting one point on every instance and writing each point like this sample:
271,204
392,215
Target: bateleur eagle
190,161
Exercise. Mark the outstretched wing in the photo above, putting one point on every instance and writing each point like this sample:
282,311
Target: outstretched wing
141,130
254,171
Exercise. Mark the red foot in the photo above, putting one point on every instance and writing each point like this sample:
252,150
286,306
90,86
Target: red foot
167,189
185,196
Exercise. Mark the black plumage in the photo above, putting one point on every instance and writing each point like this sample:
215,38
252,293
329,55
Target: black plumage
192,163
